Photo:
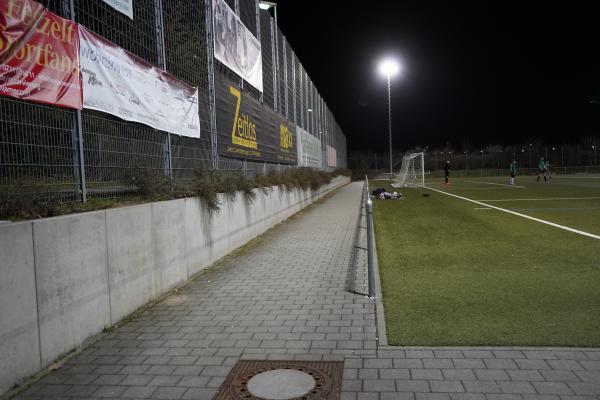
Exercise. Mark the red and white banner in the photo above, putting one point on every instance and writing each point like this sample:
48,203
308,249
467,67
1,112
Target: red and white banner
39,55
331,156
122,84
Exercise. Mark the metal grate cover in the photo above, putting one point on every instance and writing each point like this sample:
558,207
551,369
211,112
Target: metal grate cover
327,375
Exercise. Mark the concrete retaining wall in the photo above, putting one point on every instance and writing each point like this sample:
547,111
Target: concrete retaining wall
65,279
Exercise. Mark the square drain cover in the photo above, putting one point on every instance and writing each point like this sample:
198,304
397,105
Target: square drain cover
283,380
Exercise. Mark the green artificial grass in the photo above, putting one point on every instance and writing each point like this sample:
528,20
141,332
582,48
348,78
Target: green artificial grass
455,275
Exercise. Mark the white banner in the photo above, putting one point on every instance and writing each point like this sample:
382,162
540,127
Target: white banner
124,6
331,156
119,83
235,46
309,149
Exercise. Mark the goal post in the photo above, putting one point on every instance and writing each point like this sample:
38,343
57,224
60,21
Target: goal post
412,171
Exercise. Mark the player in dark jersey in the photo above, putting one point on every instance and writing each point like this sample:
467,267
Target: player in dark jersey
447,172
513,171
542,170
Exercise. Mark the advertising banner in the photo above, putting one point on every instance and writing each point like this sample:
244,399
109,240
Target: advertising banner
39,55
124,6
235,46
249,129
309,149
119,83
331,156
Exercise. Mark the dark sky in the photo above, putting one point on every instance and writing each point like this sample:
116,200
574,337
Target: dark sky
475,73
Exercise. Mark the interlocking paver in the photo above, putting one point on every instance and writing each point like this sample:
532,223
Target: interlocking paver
468,363
412,385
446,386
426,374
516,387
459,374
139,392
491,375
379,385
481,386
285,298
556,388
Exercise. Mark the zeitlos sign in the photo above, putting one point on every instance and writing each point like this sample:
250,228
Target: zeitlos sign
39,55
249,129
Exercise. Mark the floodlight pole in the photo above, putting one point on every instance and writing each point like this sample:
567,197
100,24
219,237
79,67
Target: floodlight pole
389,87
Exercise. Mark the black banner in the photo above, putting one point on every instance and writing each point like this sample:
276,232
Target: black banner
249,129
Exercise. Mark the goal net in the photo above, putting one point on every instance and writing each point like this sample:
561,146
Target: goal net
412,171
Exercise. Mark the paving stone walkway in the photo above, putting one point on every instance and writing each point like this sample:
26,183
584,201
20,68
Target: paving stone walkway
287,297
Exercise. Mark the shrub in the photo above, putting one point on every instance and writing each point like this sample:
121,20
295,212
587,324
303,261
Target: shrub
341,172
149,183
28,201
31,200
203,187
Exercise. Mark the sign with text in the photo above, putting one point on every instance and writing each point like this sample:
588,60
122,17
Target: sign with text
249,129
235,46
331,156
309,149
39,55
124,6
120,83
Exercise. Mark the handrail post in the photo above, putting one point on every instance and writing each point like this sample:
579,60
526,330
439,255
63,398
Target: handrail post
371,272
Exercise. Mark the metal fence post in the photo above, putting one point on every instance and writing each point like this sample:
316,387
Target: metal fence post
78,157
162,63
275,55
77,132
370,270
258,36
211,85
285,78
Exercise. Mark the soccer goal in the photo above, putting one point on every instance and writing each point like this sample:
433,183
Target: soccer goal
412,171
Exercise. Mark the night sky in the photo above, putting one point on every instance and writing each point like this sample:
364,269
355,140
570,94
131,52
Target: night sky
475,74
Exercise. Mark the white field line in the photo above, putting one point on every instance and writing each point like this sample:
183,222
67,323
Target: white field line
546,199
566,228
496,184
466,187
567,177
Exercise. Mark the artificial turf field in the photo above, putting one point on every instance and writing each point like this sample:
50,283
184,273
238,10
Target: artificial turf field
455,272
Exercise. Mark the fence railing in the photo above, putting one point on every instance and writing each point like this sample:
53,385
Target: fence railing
584,169
73,155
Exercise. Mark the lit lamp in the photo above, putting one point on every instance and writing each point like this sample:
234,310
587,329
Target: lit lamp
389,68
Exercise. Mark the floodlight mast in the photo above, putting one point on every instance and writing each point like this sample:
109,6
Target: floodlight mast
389,68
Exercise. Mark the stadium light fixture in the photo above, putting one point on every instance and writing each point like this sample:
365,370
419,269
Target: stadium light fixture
389,68
265,5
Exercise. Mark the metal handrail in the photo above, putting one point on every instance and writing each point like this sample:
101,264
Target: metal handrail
370,241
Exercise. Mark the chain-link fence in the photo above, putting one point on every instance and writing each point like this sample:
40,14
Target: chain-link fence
71,155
